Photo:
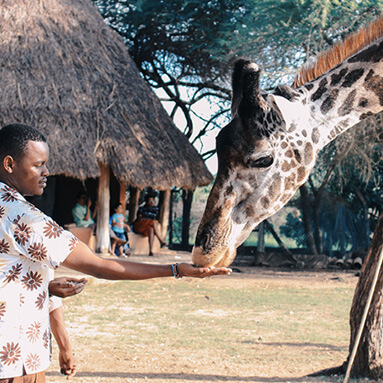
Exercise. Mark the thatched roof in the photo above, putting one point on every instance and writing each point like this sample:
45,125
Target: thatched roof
64,71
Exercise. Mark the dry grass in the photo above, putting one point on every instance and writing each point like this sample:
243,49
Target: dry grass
256,326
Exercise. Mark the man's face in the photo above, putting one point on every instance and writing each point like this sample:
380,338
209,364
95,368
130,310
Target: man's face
29,173
83,199
150,202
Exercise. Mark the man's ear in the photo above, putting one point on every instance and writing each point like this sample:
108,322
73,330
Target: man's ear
9,164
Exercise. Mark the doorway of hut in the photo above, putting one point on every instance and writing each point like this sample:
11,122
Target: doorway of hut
60,197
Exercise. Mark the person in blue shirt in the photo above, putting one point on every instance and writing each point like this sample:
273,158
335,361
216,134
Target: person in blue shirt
119,227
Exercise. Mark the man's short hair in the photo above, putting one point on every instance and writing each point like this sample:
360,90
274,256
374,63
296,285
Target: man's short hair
14,139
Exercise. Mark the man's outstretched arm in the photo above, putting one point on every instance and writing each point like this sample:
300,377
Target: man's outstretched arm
83,259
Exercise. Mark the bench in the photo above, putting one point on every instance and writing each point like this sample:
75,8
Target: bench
139,244
84,234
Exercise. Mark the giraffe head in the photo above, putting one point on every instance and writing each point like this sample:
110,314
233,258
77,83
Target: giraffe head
264,154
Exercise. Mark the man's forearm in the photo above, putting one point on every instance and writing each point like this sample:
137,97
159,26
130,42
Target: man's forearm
59,330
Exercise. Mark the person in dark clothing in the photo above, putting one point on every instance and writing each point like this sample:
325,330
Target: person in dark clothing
147,223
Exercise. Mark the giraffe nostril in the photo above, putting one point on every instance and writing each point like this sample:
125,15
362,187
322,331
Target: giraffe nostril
205,242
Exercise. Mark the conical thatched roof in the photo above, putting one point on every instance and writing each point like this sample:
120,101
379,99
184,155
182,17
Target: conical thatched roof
64,71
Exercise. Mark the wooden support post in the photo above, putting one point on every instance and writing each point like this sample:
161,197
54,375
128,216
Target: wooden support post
133,203
103,237
122,200
164,206
261,238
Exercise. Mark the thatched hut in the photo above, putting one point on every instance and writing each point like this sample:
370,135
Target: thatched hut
66,72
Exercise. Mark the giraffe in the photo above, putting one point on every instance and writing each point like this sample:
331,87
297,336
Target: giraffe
269,147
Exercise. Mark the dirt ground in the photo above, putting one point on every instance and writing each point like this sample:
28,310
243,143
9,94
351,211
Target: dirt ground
100,366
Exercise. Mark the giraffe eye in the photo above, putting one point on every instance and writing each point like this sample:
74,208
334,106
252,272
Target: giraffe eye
263,162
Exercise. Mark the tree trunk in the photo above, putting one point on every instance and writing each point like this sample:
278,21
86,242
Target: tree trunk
261,237
171,218
103,237
306,215
317,229
366,230
187,199
369,357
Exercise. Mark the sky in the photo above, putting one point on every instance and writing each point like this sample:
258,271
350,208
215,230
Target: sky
205,109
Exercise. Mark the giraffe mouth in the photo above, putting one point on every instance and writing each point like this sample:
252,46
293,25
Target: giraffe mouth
220,249
216,259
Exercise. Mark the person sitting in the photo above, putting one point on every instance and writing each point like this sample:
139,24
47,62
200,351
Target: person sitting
82,214
119,226
147,222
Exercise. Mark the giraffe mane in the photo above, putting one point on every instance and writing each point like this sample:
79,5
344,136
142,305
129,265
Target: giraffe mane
340,52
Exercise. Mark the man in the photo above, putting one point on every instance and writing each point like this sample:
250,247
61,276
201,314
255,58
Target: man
31,244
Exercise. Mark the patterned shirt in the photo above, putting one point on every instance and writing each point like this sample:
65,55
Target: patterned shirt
31,244
118,219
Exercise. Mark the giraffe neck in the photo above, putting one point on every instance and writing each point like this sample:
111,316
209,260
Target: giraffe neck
345,95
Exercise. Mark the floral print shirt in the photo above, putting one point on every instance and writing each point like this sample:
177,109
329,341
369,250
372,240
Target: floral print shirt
31,244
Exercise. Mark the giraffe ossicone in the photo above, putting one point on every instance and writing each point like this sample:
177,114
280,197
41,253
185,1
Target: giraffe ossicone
269,147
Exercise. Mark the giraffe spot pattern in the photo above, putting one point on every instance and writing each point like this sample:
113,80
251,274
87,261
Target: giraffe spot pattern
284,145
322,88
369,75
274,190
285,197
352,77
315,135
336,77
250,211
297,155
347,105
363,102
289,181
308,86
372,54
292,127
375,84
228,190
330,101
265,202
308,153
287,166
299,143
304,133
301,174
363,116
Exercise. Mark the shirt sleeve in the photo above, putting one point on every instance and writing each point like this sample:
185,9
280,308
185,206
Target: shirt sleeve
54,303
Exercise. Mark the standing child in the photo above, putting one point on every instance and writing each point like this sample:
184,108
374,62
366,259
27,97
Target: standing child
119,226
